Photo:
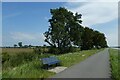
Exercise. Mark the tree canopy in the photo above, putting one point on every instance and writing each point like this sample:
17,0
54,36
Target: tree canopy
20,44
65,31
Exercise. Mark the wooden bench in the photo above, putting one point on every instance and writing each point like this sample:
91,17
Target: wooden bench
50,61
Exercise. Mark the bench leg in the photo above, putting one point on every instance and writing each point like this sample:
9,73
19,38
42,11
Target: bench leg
57,64
46,66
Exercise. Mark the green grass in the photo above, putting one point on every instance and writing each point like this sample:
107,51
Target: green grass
114,64
32,69
28,70
73,58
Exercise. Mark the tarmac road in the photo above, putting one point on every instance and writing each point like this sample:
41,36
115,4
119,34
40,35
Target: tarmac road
96,66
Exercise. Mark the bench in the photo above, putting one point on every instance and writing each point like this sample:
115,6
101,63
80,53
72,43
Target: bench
50,61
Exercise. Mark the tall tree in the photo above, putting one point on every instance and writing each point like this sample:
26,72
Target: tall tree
99,40
20,44
63,29
87,39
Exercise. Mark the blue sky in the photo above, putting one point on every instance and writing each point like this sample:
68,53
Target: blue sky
27,21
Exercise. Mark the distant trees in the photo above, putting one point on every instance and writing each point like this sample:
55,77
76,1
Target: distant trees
20,44
15,45
66,31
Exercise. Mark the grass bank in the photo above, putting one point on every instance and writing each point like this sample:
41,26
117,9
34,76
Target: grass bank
114,64
31,68
73,58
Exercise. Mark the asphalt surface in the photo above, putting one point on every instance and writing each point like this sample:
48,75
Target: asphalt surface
96,66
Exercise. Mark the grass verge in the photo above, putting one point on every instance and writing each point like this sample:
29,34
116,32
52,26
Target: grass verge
114,64
72,58
32,69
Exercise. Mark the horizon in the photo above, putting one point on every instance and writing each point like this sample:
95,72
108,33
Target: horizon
27,21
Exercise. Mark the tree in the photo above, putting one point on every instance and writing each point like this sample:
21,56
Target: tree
15,45
63,29
26,46
30,46
99,40
91,38
87,39
20,44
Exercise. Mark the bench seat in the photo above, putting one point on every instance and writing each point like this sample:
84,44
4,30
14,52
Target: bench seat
50,61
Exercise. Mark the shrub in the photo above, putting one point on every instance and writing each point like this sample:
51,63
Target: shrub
54,50
37,50
5,57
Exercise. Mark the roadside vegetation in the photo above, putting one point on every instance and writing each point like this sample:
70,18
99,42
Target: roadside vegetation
115,71
28,64
75,57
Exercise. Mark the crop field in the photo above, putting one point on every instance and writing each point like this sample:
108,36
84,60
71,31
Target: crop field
13,51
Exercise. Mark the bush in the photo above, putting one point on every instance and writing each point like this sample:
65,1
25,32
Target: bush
5,57
54,50
63,50
41,50
74,49
37,50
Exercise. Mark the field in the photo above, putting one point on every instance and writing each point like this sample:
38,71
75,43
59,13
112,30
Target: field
114,64
12,51
27,64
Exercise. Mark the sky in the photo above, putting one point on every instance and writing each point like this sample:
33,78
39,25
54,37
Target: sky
27,21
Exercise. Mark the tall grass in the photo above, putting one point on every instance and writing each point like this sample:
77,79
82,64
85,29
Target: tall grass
114,64
28,64
24,65
29,70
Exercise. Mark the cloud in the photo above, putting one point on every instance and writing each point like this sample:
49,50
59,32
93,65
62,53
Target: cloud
11,15
96,13
26,36
60,0
0,24
92,0
0,39
22,36
112,38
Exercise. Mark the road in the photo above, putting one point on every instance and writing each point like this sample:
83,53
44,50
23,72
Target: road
96,66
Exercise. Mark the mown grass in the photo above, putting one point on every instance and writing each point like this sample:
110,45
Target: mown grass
114,64
75,57
31,68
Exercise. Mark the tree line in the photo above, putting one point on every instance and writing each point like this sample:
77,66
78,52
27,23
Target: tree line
66,31
20,44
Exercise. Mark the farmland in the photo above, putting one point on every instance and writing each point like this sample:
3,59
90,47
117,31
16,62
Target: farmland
26,64
13,51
